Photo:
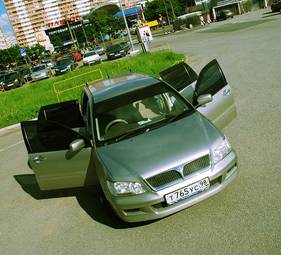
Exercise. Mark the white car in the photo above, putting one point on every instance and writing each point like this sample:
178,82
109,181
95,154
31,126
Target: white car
91,57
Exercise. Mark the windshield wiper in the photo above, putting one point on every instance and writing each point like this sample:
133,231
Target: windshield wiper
130,133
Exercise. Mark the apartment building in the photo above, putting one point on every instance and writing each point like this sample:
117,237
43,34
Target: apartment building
30,18
6,41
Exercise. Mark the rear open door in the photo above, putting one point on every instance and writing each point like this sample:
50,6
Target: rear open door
55,167
211,80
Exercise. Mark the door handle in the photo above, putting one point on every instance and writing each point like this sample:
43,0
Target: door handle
226,92
38,159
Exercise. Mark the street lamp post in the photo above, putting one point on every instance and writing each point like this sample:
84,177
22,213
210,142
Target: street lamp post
126,24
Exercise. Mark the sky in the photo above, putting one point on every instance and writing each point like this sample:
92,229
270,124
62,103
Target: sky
4,21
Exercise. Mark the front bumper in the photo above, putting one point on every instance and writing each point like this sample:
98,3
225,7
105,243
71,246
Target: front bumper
152,205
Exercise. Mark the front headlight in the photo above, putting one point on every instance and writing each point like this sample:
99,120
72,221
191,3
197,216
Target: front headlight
118,188
222,150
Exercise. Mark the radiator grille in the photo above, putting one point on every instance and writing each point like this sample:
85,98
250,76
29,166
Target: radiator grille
164,178
196,165
171,177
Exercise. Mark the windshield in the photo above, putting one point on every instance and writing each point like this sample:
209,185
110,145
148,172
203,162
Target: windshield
10,76
38,68
114,47
63,62
138,111
88,54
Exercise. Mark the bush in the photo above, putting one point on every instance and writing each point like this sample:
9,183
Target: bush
247,6
184,23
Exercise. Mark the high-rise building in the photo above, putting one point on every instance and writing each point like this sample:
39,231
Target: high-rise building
30,17
6,41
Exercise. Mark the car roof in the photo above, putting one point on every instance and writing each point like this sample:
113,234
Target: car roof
40,65
109,88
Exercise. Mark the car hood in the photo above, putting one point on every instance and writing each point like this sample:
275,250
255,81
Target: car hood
94,57
160,149
62,67
39,72
114,51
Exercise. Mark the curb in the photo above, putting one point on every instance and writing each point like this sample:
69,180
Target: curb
15,126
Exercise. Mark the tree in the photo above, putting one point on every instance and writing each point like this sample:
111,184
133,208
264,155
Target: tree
57,41
165,8
103,21
35,52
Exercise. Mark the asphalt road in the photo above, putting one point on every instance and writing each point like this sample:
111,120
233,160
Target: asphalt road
245,218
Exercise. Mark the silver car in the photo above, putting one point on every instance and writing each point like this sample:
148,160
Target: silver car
40,72
152,145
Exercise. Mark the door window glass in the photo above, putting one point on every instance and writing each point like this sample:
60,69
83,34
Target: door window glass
211,80
44,136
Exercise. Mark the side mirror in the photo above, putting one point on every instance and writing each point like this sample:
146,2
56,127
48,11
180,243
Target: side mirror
76,145
204,99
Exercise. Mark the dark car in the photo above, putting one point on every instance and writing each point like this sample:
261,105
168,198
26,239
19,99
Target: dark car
25,72
11,80
64,65
2,74
115,51
224,14
126,46
276,6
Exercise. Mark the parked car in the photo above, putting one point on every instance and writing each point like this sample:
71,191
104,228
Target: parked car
91,57
153,146
49,62
11,80
126,46
2,74
224,14
76,55
64,65
115,51
25,72
98,49
41,71
276,6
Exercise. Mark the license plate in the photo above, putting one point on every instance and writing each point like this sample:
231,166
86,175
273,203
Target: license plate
187,191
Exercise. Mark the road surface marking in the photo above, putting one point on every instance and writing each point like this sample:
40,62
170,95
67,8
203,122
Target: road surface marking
11,146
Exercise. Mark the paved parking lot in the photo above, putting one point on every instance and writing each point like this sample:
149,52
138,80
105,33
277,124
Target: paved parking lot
242,219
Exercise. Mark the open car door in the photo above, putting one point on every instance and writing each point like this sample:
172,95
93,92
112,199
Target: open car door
55,163
66,113
211,80
181,77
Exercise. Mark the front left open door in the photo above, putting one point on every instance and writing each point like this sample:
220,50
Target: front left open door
54,165
211,80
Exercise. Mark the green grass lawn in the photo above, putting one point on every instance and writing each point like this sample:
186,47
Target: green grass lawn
23,103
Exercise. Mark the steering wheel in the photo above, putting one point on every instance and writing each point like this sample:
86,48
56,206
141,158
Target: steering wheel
113,122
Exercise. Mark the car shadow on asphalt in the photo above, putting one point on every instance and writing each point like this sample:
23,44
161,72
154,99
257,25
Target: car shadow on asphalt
89,198
270,14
